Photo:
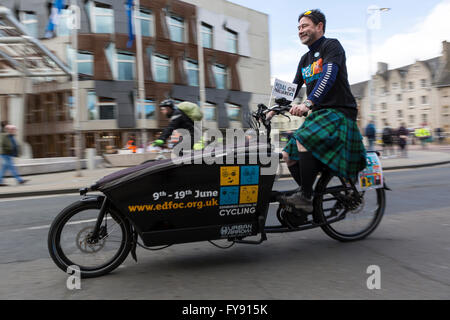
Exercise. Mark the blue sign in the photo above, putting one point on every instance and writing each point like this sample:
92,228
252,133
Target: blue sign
229,195
249,175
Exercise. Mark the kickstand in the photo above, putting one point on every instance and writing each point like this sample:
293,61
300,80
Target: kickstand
262,225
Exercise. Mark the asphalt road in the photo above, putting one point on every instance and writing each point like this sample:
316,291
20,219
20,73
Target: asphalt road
411,246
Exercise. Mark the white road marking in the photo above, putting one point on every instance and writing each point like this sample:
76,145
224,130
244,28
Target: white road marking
48,226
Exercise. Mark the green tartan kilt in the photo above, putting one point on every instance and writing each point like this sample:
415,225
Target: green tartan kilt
333,139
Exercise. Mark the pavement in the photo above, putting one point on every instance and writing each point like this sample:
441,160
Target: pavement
69,182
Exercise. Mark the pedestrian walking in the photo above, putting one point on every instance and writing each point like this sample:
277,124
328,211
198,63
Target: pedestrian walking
387,137
439,135
131,144
402,134
9,149
371,134
3,124
424,135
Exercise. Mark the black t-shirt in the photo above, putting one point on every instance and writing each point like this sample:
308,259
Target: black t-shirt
310,70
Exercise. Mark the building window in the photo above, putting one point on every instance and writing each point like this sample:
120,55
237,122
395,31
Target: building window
149,108
394,86
106,109
101,108
399,97
411,85
233,112
207,36
102,17
146,21
399,113
411,120
30,21
424,100
85,61
424,118
61,28
232,41
220,76
411,102
176,28
71,107
384,106
192,72
423,83
125,65
122,64
161,68
209,112
445,110
92,106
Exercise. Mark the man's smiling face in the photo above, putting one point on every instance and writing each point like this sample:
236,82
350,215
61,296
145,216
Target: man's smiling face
308,32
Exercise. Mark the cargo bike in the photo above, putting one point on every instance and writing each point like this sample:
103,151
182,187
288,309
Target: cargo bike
162,203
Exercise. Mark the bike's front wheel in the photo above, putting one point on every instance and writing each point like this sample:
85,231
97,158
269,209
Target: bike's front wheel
350,224
70,241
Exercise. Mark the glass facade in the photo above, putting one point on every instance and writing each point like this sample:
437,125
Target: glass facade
149,109
192,73
161,68
209,112
62,28
176,28
92,105
103,19
232,41
220,76
125,66
107,111
146,21
234,112
85,61
207,36
30,22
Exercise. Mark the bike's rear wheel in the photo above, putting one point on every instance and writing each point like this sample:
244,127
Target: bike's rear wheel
69,241
355,224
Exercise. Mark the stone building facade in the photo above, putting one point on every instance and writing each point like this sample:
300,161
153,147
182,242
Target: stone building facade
416,95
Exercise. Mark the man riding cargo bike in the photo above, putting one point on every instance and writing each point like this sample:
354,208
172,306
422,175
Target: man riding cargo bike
329,136
163,203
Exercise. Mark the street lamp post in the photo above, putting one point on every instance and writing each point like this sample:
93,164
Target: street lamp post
140,74
75,87
373,23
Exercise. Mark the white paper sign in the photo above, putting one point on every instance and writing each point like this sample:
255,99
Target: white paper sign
282,89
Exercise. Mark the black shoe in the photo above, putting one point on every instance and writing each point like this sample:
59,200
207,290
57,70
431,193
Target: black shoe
299,201
3,185
23,181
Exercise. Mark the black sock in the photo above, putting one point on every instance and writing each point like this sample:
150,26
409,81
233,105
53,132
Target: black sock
309,168
295,173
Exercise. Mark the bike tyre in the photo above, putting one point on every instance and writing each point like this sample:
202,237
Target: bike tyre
330,231
64,216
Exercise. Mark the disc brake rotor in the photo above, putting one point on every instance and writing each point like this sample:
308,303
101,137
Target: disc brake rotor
83,243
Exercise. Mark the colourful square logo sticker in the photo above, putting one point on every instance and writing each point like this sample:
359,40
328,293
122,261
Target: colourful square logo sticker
249,175
229,195
249,194
229,176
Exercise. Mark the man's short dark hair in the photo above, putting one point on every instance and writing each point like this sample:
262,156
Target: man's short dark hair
316,16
